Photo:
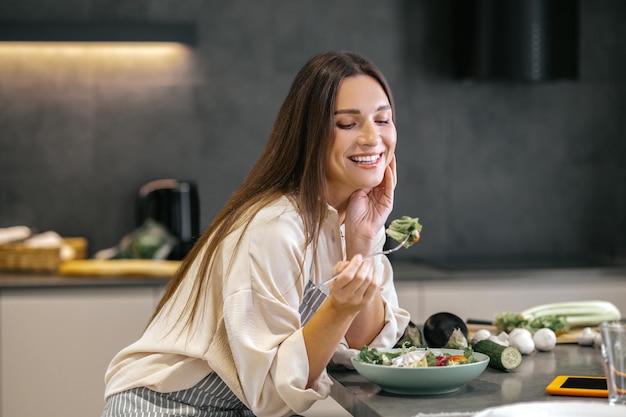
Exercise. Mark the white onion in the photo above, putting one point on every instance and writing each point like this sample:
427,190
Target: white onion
520,330
545,339
523,342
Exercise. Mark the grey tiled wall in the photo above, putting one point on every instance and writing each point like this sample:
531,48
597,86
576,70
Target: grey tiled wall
494,170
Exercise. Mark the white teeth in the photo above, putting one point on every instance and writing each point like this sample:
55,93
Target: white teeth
365,159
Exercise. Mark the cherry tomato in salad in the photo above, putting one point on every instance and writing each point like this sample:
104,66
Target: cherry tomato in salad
450,360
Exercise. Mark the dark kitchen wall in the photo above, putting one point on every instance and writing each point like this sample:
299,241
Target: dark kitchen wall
495,170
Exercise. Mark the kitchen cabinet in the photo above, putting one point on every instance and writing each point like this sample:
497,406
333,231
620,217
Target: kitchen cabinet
57,335
56,343
483,294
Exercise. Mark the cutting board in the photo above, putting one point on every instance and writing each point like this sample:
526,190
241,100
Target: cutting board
569,337
119,267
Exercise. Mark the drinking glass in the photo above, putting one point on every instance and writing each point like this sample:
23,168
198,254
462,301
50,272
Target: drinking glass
614,353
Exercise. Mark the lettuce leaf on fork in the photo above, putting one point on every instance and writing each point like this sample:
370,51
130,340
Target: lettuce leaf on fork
399,229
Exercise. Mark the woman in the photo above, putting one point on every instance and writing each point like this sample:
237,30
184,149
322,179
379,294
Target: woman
243,328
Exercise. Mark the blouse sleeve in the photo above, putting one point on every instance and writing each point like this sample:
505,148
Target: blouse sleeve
263,291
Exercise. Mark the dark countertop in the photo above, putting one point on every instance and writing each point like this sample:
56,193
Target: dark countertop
420,271
492,388
46,281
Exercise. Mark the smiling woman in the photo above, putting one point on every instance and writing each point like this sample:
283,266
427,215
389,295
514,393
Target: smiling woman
243,328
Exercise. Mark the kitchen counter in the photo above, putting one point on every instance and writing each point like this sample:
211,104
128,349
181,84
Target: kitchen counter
403,271
42,281
102,314
423,288
492,388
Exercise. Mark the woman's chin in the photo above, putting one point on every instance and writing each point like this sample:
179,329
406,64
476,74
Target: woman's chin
369,185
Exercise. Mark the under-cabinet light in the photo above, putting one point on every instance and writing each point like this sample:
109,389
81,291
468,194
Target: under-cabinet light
13,31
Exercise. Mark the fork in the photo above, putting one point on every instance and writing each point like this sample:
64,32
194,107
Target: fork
371,255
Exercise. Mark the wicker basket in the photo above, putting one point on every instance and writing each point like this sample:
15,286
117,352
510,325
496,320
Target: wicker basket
18,257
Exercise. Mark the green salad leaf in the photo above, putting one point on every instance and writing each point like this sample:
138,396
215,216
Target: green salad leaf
376,357
405,226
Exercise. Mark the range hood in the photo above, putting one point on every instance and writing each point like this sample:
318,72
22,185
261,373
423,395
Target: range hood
517,40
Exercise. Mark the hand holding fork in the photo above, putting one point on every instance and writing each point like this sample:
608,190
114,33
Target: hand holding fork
371,255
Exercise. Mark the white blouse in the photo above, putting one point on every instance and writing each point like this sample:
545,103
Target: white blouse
250,329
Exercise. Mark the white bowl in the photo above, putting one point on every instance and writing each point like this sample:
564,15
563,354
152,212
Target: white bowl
430,380
555,409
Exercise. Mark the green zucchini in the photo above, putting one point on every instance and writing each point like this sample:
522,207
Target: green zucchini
501,357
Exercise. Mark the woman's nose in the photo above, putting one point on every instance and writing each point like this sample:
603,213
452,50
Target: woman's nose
369,134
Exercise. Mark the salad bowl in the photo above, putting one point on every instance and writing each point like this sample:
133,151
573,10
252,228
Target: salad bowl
432,380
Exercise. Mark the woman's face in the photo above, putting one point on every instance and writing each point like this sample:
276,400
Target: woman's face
364,137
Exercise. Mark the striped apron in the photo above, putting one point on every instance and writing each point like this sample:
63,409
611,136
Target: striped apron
210,397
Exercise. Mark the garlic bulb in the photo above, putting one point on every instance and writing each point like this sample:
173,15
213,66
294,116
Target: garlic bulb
585,338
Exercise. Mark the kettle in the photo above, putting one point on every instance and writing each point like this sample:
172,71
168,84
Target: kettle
174,204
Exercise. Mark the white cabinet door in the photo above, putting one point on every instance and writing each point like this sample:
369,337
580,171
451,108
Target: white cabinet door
483,295
56,344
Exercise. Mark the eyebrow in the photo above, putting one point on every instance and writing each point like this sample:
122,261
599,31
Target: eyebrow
357,111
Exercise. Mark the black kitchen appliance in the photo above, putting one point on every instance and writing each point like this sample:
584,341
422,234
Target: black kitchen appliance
174,204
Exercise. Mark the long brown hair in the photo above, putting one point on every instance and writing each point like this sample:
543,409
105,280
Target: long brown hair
293,163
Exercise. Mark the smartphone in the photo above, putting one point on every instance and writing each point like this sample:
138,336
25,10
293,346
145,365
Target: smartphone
578,386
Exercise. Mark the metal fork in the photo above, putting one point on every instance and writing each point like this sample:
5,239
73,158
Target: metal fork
371,255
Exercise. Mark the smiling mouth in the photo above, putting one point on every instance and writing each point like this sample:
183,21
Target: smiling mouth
366,159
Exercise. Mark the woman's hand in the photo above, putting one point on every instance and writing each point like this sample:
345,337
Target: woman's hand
355,287
352,292
368,211
355,296
356,290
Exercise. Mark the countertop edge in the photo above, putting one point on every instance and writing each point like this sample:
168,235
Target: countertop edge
403,272
15,281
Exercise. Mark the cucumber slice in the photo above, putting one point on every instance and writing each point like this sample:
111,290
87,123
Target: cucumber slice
501,357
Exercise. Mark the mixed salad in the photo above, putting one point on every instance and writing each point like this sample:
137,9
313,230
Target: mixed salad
412,357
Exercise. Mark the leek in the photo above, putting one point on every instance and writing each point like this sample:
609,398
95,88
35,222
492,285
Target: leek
560,316
576,313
